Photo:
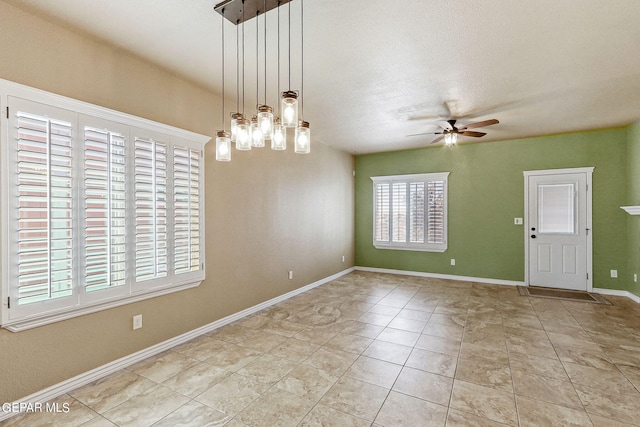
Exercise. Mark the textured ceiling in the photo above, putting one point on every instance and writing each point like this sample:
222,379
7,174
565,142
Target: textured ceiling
377,71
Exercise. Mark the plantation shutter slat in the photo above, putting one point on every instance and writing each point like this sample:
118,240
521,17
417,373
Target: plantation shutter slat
44,208
104,206
416,212
186,209
151,257
399,211
382,213
435,215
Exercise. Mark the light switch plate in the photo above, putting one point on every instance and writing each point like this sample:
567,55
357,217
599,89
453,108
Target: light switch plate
517,221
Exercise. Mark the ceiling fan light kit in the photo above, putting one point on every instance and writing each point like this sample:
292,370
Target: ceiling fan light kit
450,132
265,125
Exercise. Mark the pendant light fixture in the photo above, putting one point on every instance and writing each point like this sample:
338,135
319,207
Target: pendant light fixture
236,116
289,97
279,138
223,139
257,136
265,125
302,139
243,138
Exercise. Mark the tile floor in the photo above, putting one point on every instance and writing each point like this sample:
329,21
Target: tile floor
382,350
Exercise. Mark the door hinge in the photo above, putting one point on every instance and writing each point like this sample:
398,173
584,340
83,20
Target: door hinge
7,112
587,276
8,302
588,231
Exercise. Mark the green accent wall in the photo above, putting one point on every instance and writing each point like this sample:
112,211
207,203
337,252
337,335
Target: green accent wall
633,222
486,193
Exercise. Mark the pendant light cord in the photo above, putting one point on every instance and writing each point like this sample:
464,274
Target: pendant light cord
289,45
257,58
302,58
265,50
237,66
278,97
243,57
222,26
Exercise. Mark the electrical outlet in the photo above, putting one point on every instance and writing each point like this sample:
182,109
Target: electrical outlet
635,277
137,321
290,274
453,261
614,273
342,258
517,221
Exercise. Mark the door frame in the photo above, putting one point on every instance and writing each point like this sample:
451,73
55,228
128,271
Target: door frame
588,171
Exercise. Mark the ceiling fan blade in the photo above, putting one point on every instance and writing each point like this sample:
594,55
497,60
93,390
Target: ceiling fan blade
424,133
480,124
473,133
436,140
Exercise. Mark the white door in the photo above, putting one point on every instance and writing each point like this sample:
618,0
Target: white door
558,227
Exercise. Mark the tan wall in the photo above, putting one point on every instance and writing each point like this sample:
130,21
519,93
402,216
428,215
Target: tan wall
267,212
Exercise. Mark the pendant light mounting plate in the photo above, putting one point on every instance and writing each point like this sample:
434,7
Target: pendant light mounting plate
232,9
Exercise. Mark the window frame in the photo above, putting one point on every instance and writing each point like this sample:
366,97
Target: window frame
408,179
82,302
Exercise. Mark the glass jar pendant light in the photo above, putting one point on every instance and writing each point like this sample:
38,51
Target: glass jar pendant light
234,125
223,146
243,137
257,137
289,109
279,138
303,138
265,121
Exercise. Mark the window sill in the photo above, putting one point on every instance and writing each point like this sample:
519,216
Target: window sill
439,249
42,320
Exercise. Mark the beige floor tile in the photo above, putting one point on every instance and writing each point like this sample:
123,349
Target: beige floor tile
412,314
111,391
294,349
408,325
316,336
375,319
424,385
196,379
307,381
398,336
436,363
165,367
492,372
448,346
358,398
276,407
385,310
443,331
333,361
324,416
233,357
194,414
533,413
618,407
599,421
534,365
233,394
361,329
403,410
546,389
387,351
202,348
595,358
609,381
459,319
349,343
374,371
146,408
484,402
263,341
457,418
268,369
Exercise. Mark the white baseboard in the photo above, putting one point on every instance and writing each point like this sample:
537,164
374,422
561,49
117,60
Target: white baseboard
441,276
603,291
616,292
112,367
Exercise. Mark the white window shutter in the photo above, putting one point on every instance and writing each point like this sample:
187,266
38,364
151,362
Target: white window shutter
44,208
435,215
151,257
186,209
382,206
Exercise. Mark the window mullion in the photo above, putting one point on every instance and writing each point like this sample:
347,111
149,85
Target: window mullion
407,217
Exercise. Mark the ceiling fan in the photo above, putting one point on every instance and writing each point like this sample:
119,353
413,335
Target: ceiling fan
450,132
